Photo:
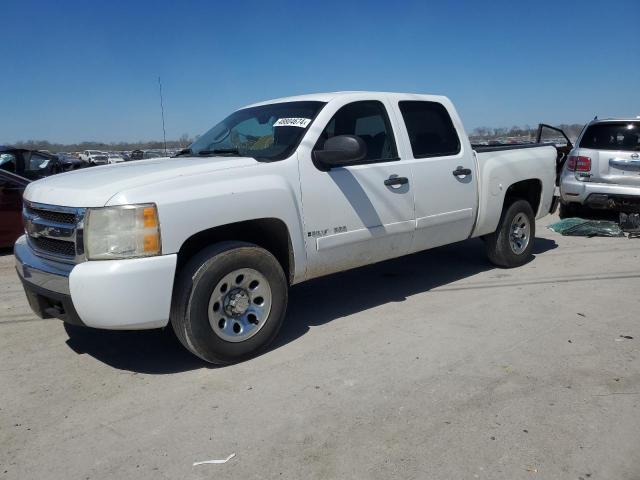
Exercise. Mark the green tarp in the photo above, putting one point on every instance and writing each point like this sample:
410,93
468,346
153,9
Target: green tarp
580,227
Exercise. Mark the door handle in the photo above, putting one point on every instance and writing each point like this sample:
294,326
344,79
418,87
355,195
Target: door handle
458,172
624,163
393,181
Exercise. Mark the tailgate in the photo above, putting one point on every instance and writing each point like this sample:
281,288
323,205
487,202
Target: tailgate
620,167
614,150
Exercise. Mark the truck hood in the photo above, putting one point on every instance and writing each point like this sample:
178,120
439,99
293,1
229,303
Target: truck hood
94,186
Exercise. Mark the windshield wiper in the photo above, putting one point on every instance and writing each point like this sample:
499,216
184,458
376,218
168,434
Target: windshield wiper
184,151
221,151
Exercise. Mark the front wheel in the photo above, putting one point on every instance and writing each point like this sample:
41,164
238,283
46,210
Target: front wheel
229,302
511,244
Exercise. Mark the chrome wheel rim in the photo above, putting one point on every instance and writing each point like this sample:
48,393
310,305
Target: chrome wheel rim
239,305
519,233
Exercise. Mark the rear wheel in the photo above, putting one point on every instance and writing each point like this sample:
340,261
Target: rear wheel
511,244
229,303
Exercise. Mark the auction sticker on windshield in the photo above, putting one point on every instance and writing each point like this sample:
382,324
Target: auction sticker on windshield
292,122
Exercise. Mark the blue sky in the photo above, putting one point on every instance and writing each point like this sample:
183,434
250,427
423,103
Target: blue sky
88,70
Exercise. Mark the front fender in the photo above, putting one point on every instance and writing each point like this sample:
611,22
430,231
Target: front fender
189,205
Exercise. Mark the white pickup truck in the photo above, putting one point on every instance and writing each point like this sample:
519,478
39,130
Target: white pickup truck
95,157
277,193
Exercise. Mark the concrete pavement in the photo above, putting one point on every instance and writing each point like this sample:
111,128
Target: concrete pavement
431,366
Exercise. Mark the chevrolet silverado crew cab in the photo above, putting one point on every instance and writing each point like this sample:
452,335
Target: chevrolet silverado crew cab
603,170
275,194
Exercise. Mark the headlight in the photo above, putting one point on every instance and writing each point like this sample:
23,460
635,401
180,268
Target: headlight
126,231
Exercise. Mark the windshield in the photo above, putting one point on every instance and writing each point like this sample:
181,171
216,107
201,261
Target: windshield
268,132
612,136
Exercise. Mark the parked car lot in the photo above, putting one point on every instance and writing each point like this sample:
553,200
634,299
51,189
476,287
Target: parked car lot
32,164
435,365
19,166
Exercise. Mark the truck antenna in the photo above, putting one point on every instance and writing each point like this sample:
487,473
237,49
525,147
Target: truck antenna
164,133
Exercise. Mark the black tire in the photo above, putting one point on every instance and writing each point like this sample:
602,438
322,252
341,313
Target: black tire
193,290
498,244
569,210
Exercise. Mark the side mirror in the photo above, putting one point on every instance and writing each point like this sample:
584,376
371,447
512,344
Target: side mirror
341,150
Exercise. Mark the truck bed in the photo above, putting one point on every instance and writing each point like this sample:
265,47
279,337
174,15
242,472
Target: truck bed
500,166
511,146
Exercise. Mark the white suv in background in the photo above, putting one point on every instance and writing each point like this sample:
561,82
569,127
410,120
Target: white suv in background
95,157
115,158
603,170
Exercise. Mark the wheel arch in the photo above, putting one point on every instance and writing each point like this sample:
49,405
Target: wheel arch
529,190
272,234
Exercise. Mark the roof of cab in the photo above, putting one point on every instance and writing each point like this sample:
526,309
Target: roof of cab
328,96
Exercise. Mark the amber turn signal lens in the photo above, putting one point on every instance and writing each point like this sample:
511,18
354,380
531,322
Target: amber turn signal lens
151,243
150,218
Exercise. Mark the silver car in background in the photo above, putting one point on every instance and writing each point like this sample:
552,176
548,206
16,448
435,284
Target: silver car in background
603,169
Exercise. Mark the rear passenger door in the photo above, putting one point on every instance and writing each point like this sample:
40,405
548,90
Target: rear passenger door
444,173
37,166
360,213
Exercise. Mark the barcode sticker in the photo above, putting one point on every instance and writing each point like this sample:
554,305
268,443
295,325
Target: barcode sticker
292,122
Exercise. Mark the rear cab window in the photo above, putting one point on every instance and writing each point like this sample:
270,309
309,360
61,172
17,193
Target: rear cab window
623,136
431,131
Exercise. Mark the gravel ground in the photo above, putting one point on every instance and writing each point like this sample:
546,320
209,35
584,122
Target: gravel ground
431,366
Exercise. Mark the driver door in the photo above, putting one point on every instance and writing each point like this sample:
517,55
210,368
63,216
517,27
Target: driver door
37,166
359,213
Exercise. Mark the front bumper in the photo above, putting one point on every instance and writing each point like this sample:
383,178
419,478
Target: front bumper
46,285
130,294
598,195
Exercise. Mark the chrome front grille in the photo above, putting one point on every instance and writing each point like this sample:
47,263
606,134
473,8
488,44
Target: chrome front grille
52,215
55,232
54,247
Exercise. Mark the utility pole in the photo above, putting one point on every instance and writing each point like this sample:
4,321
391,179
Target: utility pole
164,133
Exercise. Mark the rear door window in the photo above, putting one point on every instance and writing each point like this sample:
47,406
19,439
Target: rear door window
612,136
38,164
431,131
